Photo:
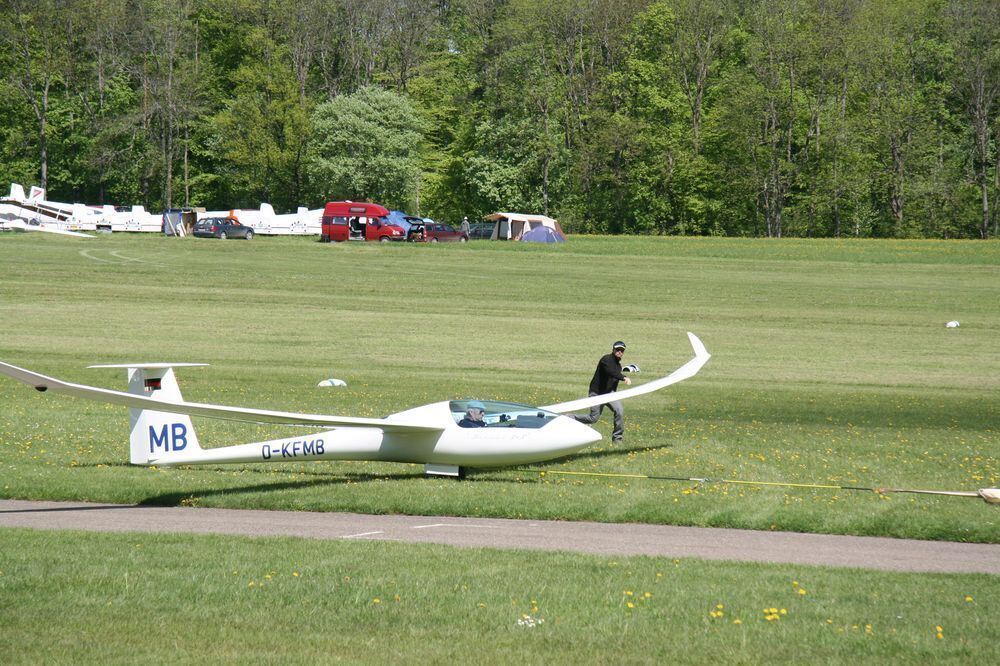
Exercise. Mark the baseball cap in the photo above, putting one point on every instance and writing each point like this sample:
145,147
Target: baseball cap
618,345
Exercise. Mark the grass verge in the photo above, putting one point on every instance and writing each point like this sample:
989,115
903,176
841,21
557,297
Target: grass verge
74,597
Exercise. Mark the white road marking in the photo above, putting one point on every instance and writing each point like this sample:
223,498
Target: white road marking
363,534
141,261
86,253
420,527
118,255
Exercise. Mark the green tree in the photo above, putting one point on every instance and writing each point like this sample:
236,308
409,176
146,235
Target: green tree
667,85
261,132
165,69
366,146
34,36
18,162
974,34
899,68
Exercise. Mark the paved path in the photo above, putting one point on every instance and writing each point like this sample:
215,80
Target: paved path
597,538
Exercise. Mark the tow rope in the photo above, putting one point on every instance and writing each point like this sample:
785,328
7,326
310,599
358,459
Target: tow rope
988,495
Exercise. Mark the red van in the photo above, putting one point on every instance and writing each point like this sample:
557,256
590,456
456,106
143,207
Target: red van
349,220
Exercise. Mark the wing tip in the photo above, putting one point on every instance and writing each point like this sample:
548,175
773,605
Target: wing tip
698,346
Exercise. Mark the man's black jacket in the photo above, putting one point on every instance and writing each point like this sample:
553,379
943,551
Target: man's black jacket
607,375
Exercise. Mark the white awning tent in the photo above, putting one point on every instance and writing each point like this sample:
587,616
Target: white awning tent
512,226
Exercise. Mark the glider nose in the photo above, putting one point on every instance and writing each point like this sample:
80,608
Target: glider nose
574,435
588,432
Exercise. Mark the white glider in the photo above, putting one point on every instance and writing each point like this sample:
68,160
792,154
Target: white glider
21,225
509,434
33,213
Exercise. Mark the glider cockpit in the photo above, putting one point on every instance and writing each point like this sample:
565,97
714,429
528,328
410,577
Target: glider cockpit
501,414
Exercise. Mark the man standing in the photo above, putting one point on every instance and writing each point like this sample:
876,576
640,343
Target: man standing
465,226
606,378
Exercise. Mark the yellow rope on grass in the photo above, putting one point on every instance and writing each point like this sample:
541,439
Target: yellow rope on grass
989,495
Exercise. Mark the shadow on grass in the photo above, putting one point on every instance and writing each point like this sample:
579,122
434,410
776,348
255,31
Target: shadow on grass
179,497
335,478
491,473
57,509
611,453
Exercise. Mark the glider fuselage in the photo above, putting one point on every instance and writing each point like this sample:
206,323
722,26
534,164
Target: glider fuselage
502,442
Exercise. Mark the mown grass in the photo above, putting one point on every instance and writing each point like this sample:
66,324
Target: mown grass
73,597
831,365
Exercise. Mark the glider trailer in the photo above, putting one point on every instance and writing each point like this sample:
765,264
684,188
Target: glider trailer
162,433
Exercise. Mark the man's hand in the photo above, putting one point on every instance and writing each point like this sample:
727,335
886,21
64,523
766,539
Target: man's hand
628,382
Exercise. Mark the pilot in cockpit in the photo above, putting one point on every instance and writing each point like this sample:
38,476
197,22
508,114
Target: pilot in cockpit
474,413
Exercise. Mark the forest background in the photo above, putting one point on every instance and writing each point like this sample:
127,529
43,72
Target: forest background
869,118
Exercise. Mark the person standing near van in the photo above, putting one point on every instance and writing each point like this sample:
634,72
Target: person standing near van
605,380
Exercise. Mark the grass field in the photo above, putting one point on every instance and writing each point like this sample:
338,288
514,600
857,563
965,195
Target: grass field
78,598
831,365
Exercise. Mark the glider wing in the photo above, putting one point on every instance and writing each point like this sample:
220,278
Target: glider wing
689,369
45,383
19,225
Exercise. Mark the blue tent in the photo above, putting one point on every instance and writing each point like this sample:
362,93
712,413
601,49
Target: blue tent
401,219
398,217
541,234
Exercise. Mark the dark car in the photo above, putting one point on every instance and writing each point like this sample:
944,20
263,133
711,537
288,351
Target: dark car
222,227
481,230
435,232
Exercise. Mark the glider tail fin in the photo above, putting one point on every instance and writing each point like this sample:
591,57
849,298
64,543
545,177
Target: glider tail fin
157,436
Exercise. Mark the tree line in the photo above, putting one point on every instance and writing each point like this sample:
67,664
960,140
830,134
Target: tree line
823,118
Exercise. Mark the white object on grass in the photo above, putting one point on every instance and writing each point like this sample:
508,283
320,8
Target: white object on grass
952,324
332,382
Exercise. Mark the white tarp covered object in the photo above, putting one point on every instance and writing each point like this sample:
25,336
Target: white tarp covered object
37,213
512,226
